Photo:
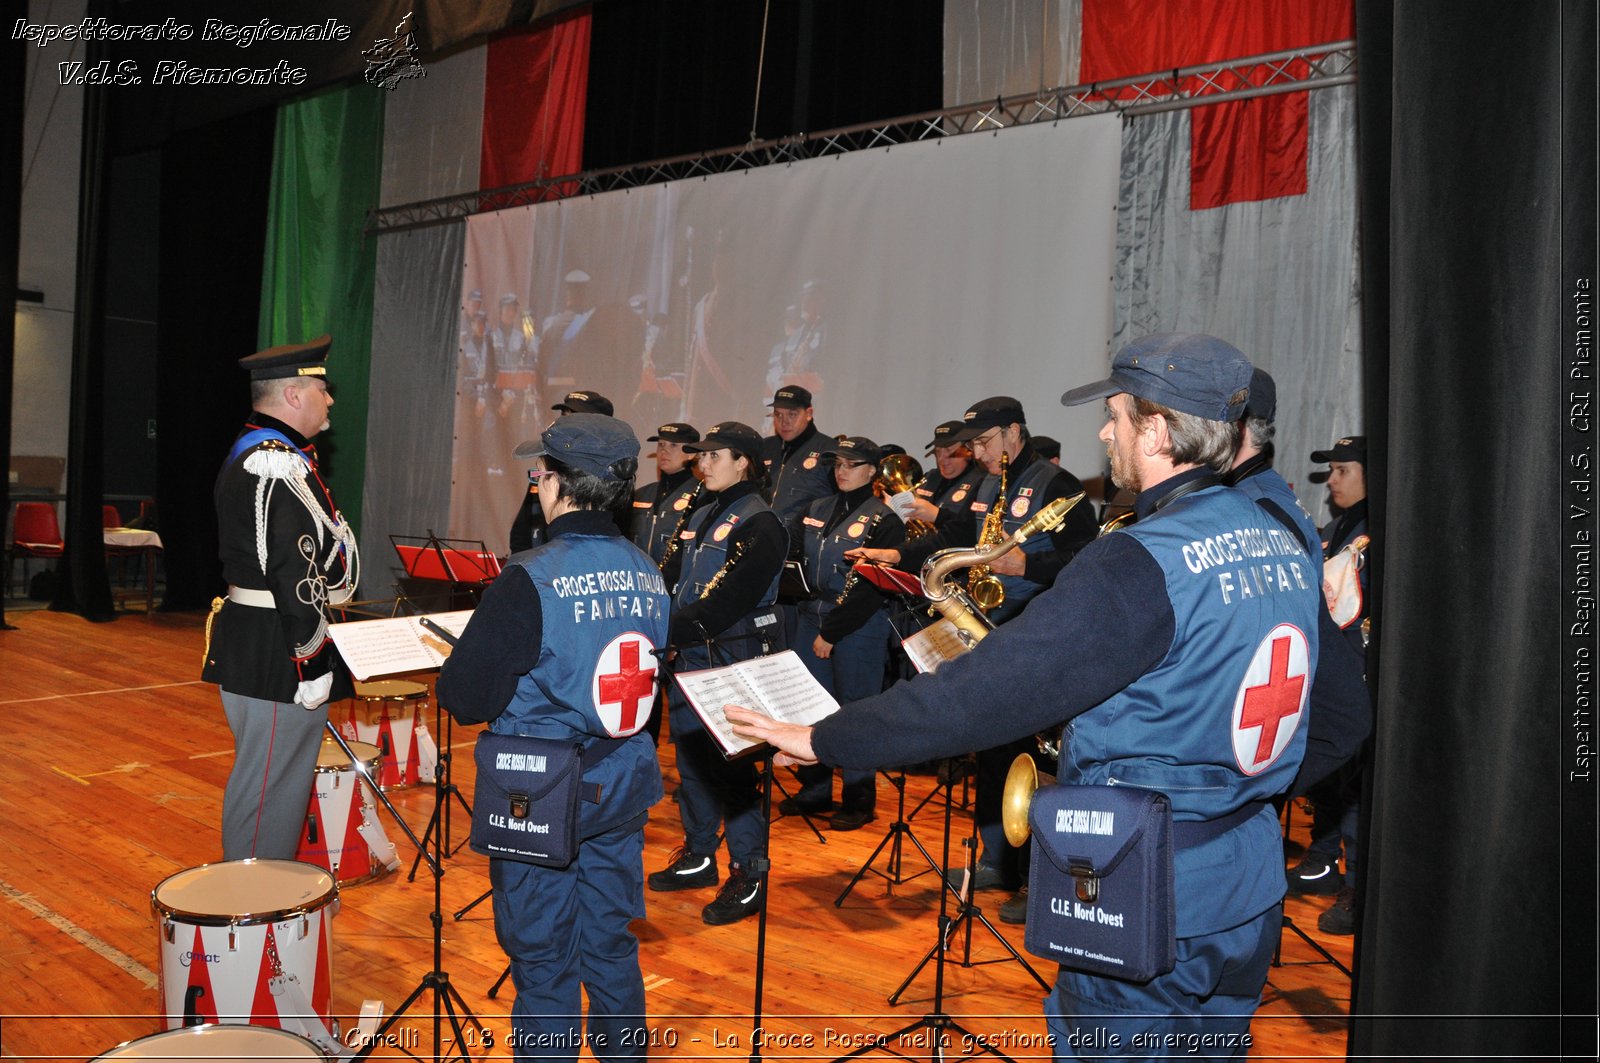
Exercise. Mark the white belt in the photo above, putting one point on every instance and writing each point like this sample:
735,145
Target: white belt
246,596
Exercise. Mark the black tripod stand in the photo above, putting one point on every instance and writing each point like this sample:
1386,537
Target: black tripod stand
938,1024
894,841
447,1001
966,912
439,822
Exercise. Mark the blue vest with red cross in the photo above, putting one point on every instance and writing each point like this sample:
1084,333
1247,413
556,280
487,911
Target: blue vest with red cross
1221,721
604,610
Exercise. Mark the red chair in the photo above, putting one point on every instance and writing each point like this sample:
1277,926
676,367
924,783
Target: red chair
109,517
34,533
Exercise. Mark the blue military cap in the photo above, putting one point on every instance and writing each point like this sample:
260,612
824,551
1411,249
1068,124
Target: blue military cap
590,442
1184,371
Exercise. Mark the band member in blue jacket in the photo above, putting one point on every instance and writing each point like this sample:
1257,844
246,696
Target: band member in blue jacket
563,647
725,580
1193,637
844,631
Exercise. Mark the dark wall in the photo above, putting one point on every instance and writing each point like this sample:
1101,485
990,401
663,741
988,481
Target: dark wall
133,245
213,204
674,79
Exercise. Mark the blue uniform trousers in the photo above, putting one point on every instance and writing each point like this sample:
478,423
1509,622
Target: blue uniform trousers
566,927
1200,1009
853,671
715,791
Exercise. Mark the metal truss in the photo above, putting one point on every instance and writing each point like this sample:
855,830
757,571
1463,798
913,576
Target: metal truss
1297,70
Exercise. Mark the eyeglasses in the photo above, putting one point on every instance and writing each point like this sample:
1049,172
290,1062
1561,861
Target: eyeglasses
843,464
535,475
987,440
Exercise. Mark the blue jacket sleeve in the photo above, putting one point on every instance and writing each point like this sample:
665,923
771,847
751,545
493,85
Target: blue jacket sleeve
499,646
1105,622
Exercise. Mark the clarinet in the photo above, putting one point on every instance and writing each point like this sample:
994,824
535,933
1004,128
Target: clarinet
683,521
733,559
855,573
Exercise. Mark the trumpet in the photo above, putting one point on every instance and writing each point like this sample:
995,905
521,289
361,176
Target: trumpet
953,600
894,476
1022,780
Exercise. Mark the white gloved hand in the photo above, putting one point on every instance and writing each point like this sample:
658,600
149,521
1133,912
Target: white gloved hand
313,692
904,504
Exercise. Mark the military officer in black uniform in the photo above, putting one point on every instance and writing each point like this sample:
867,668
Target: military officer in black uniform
287,555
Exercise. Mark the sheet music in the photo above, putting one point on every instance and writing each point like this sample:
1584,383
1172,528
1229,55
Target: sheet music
935,644
778,686
373,648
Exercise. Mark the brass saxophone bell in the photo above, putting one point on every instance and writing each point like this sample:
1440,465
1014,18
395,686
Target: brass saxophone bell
988,593
1022,781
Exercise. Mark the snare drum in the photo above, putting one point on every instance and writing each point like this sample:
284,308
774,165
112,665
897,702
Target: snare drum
248,941
342,832
388,714
258,1044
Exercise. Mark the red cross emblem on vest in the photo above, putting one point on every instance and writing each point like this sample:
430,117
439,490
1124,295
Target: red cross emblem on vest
625,684
1272,699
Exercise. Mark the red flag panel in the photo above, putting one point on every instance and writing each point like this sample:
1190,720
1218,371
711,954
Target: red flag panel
1242,150
535,88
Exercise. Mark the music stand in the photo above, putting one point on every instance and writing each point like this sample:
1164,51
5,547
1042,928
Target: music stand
894,841
938,1022
467,565
447,999
966,912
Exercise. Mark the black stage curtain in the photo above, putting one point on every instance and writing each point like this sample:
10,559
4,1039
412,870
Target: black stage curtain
213,204
675,79
1468,335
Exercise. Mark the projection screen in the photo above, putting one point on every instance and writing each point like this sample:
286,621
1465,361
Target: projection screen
899,286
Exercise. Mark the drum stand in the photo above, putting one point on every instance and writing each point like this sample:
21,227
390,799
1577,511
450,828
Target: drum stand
966,912
893,839
937,1022
447,999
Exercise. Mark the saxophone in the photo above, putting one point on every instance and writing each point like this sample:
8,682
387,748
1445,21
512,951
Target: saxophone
984,587
952,600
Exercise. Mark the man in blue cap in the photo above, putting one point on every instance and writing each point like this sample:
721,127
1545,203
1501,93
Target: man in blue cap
563,647
1193,635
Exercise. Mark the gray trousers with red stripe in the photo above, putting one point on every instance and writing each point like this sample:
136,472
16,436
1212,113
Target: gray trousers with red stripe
274,767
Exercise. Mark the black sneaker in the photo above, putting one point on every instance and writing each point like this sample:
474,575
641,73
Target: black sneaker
1315,874
1015,910
686,871
740,896
1340,920
851,819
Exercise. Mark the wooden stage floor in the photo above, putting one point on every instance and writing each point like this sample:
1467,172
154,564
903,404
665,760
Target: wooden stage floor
113,762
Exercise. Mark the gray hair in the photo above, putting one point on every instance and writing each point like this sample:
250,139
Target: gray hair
1195,440
1261,431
